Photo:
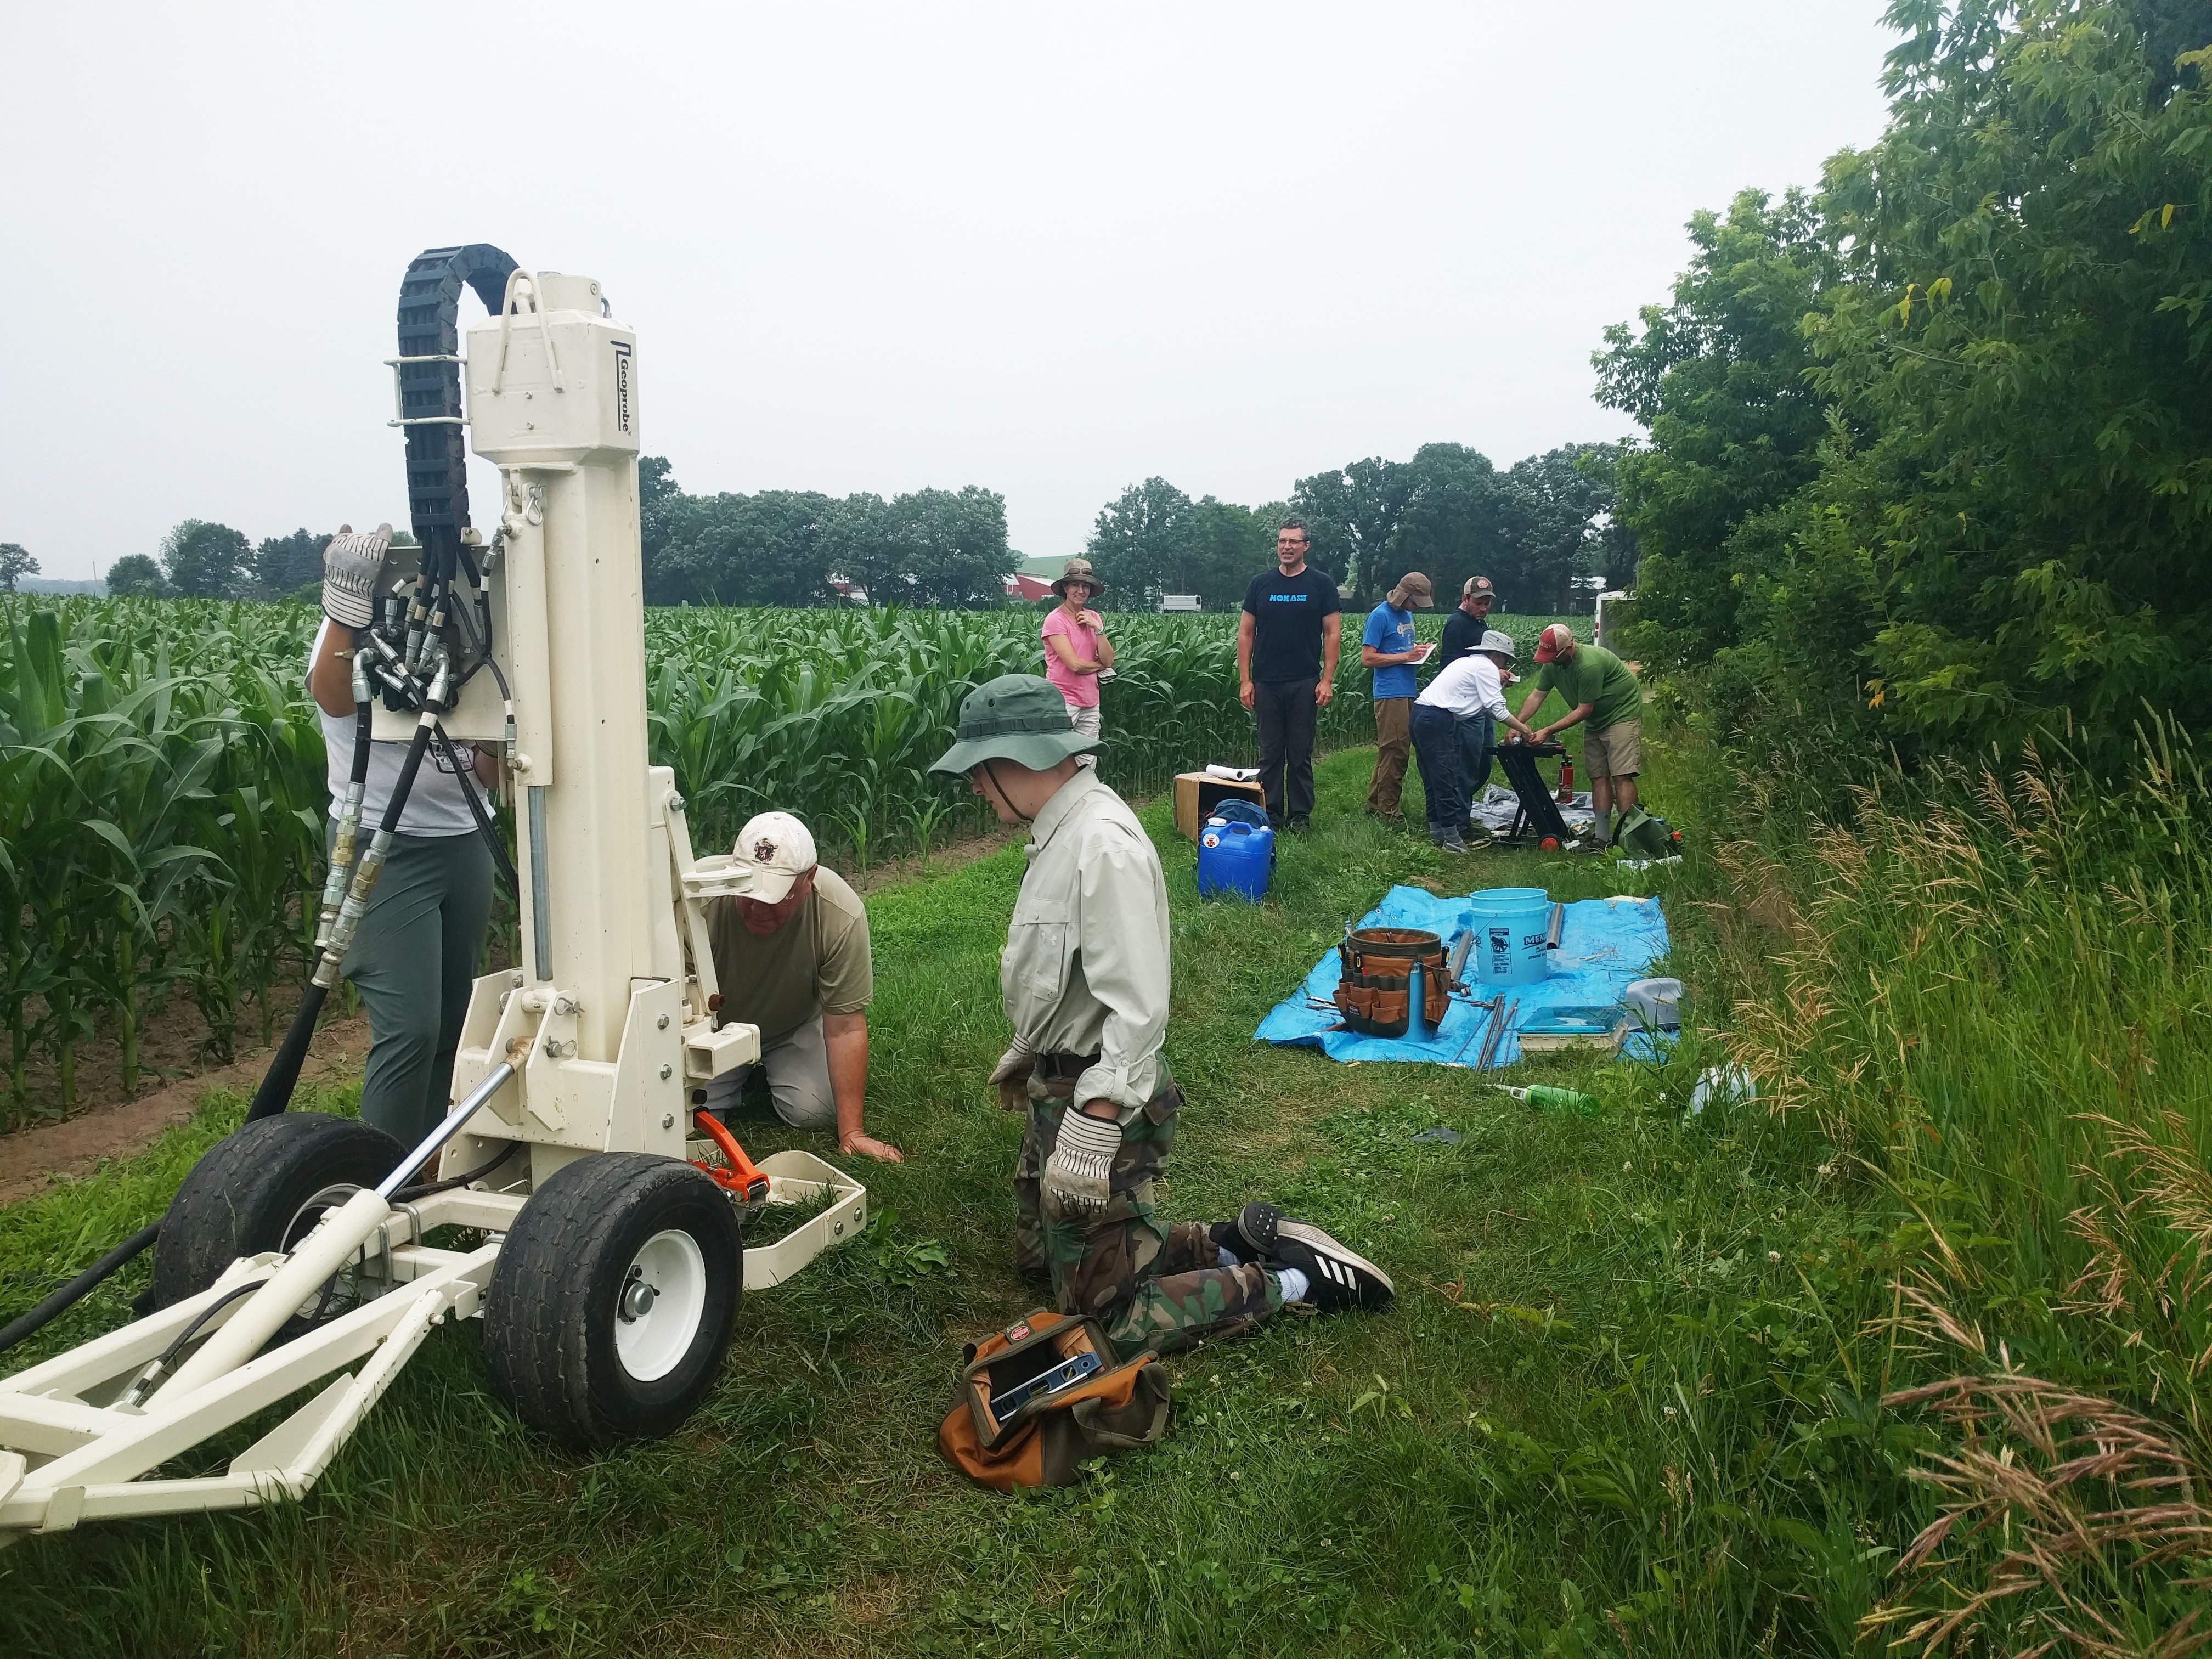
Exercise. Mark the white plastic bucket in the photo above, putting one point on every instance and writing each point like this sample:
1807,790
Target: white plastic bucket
1510,926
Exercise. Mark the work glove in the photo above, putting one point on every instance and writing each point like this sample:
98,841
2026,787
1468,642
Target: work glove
351,565
1012,1074
1075,1175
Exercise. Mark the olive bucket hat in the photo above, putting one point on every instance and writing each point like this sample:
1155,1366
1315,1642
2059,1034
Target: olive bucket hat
1019,718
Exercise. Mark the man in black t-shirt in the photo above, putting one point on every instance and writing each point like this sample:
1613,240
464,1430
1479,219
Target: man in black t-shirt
1286,644
1463,631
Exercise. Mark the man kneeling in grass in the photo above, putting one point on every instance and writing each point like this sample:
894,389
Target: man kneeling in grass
1085,984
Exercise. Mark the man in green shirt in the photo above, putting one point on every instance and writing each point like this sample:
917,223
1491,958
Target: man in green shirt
793,959
1597,687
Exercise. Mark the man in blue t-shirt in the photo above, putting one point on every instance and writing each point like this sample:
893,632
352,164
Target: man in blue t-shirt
1286,645
1387,647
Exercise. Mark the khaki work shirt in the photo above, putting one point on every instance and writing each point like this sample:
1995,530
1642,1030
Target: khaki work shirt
1086,968
818,962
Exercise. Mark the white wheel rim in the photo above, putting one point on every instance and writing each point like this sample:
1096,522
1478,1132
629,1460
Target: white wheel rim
650,1342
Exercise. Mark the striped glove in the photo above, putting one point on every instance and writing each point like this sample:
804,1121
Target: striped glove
1075,1175
351,565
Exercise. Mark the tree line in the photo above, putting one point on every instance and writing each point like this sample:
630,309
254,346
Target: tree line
1929,448
201,560
1533,528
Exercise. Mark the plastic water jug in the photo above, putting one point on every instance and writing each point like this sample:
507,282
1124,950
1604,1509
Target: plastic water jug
1511,925
1236,857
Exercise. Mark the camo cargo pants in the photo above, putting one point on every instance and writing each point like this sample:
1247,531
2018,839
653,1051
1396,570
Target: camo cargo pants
1151,1285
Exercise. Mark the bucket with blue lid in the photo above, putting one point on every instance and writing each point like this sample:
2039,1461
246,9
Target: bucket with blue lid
1236,853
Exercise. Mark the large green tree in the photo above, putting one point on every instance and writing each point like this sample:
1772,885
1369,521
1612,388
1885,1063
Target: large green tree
2024,338
1718,378
284,565
15,563
136,575
204,561
1351,515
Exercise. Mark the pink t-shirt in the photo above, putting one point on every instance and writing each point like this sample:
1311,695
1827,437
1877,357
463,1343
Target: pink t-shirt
1081,690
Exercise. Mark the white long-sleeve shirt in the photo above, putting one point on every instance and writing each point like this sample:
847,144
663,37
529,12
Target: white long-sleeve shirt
1086,968
1468,686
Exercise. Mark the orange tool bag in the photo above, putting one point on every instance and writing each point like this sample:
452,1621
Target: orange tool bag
1373,988
1044,1397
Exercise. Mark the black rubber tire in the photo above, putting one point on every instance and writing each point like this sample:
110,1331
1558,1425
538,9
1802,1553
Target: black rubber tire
550,1310
247,1187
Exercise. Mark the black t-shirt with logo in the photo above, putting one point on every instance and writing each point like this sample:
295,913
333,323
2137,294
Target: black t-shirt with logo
1287,617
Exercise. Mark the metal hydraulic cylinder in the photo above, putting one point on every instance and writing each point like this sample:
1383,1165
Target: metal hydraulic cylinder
553,402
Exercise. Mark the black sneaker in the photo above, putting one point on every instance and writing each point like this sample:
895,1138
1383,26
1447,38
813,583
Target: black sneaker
1450,844
1252,1234
1336,1278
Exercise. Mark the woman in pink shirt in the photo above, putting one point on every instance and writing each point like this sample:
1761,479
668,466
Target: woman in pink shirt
1076,648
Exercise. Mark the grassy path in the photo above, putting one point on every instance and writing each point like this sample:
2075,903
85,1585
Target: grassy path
1354,1485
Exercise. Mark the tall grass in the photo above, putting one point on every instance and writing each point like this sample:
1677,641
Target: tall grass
1986,999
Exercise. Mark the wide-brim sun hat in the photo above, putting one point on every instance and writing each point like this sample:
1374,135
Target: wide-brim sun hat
1498,644
1078,570
1017,717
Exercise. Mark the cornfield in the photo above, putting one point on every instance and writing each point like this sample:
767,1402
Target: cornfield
162,774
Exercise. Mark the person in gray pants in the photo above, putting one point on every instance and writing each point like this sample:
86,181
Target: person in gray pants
422,936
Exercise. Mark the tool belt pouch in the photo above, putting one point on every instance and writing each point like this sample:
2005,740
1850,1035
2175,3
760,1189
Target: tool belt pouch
1046,1440
1373,984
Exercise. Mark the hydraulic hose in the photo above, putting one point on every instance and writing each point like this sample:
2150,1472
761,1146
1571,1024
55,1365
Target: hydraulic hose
77,1288
485,827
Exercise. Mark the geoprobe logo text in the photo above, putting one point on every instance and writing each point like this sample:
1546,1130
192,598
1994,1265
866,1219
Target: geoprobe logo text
621,386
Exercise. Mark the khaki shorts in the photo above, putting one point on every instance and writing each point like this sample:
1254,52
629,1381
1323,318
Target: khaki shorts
1615,752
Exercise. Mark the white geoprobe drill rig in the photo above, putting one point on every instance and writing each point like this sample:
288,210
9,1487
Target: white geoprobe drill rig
292,1265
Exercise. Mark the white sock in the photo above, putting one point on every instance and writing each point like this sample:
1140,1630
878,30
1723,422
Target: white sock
1293,1283
1229,1257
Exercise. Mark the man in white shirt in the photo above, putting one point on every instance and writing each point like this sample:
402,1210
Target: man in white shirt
1470,687
1084,983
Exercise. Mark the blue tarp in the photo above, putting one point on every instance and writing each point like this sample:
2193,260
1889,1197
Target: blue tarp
1603,945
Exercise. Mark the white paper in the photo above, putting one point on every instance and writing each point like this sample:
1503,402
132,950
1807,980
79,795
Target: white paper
1234,774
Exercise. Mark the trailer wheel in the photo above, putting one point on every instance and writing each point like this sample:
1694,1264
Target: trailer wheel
247,1188
614,1298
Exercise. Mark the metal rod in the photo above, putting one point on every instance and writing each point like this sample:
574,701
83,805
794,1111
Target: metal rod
1558,924
541,902
494,1081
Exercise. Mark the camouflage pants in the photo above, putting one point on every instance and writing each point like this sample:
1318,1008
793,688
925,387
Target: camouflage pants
1151,1285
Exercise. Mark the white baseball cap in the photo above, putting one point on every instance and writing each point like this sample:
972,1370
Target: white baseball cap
777,849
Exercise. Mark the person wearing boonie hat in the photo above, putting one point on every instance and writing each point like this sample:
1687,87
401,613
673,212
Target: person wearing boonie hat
1469,688
1597,687
791,957
1085,984
1387,647
1076,652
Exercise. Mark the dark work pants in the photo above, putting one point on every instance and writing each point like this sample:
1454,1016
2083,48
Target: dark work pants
1478,747
1284,710
413,963
1437,741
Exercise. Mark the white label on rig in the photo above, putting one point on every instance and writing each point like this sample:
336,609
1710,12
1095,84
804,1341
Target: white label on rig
622,384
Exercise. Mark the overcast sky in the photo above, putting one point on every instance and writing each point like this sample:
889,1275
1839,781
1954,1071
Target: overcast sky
1045,249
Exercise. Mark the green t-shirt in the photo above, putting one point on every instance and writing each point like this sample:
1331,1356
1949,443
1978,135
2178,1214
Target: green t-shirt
1595,676
816,964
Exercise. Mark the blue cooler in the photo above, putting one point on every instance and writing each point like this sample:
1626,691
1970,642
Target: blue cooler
1235,851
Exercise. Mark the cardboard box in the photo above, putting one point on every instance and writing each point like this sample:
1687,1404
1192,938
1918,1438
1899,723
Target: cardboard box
1196,794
